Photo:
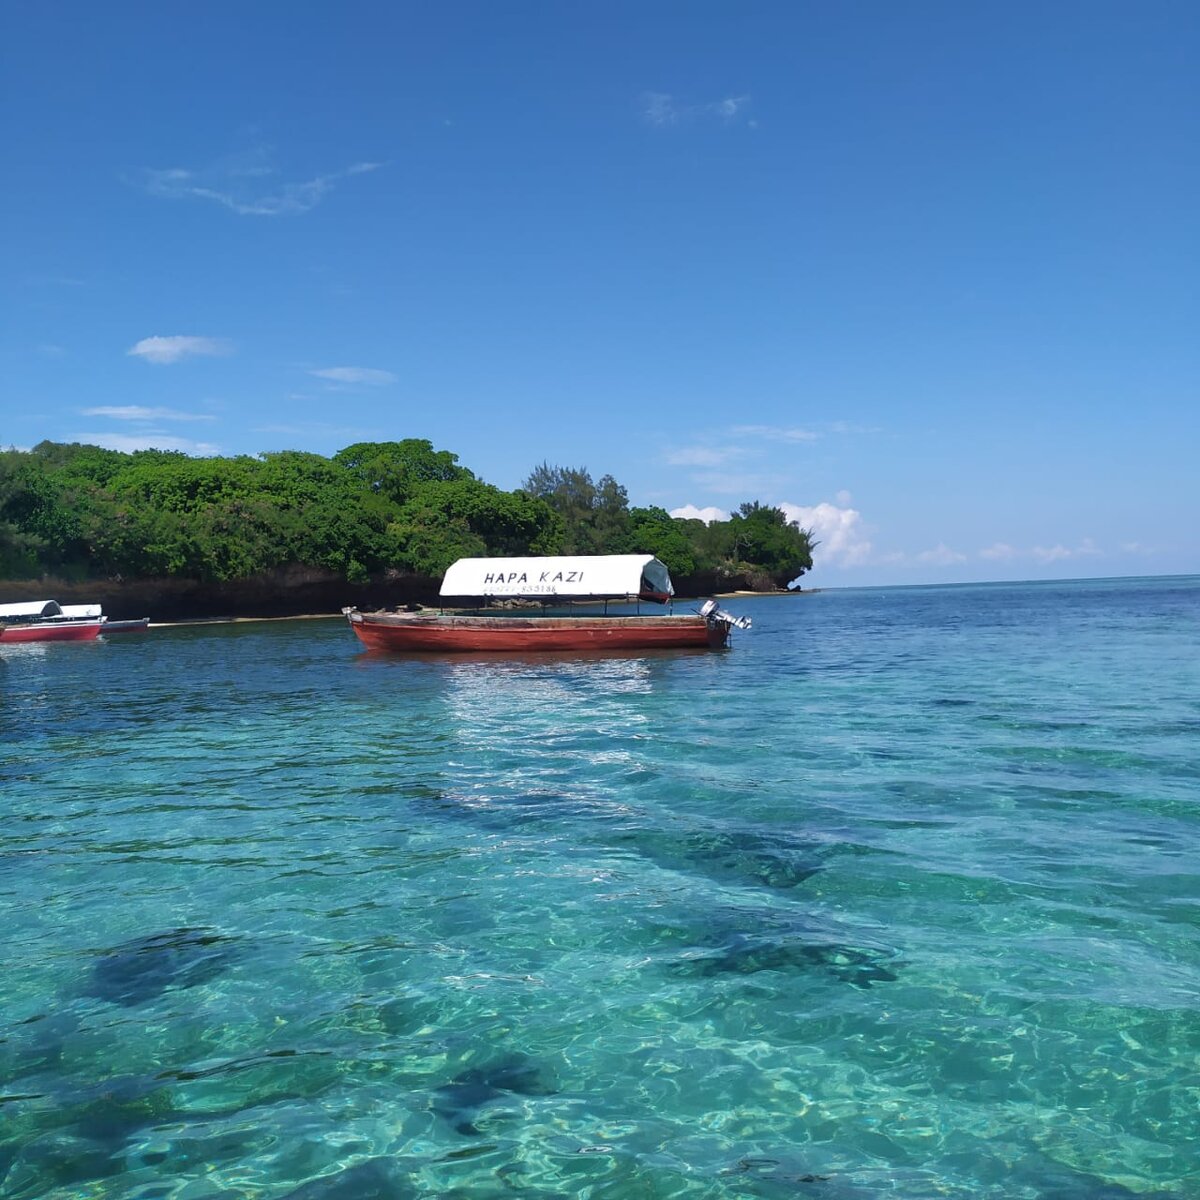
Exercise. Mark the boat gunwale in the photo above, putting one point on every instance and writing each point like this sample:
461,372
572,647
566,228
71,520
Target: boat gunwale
518,620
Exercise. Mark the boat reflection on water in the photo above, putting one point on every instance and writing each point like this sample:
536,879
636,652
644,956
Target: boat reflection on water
531,659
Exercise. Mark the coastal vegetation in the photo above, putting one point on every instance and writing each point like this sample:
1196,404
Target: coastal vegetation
80,512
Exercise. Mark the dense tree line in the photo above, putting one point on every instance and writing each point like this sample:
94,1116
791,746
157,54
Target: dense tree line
77,511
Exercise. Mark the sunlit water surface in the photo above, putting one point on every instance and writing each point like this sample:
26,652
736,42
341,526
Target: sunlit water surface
900,897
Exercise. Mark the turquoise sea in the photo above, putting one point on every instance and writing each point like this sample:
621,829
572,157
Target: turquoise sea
900,897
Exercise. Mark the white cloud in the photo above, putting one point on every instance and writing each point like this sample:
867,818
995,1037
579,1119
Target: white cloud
941,556
839,531
1048,554
172,349
699,456
135,412
366,375
236,183
146,441
998,552
661,109
729,107
689,512
774,433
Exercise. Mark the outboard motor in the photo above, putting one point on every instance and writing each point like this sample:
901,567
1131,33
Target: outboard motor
714,614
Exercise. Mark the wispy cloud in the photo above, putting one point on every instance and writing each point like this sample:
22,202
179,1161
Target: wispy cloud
839,530
146,441
689,512
701,456
172,349
849,428
998,552
360,375
716,447
775,433
57,281
940,556
1048,554
733,484
248,184
662,109
317,429
135,412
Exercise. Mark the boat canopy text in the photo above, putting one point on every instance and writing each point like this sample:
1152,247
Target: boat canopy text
599,576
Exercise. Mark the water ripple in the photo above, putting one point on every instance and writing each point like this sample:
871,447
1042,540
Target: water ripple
899,898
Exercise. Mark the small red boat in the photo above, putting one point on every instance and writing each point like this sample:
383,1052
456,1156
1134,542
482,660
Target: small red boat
596,580
49,621
419,631
63,631
66,631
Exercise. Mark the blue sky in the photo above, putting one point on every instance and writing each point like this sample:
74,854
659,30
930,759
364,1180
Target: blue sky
926,273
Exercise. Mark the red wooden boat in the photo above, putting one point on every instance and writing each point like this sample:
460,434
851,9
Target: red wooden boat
48,621
596,579
62,631
419,631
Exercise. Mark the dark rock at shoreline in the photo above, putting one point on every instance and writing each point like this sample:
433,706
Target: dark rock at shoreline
287,592
284,592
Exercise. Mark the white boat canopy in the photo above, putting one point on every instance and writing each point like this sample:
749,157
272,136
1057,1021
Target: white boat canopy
600,576
82,611
30,608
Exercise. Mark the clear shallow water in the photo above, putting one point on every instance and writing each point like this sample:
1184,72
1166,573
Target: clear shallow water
899,898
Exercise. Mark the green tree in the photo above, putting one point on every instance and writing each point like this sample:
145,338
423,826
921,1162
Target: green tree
465,518
654,531
323,514
762,536
20,548
395,470
41,524
595,516
75,463
172,482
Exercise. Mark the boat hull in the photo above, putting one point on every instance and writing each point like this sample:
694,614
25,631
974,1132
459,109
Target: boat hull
449,634
67,631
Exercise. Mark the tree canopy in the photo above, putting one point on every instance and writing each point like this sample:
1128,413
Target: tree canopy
80,511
